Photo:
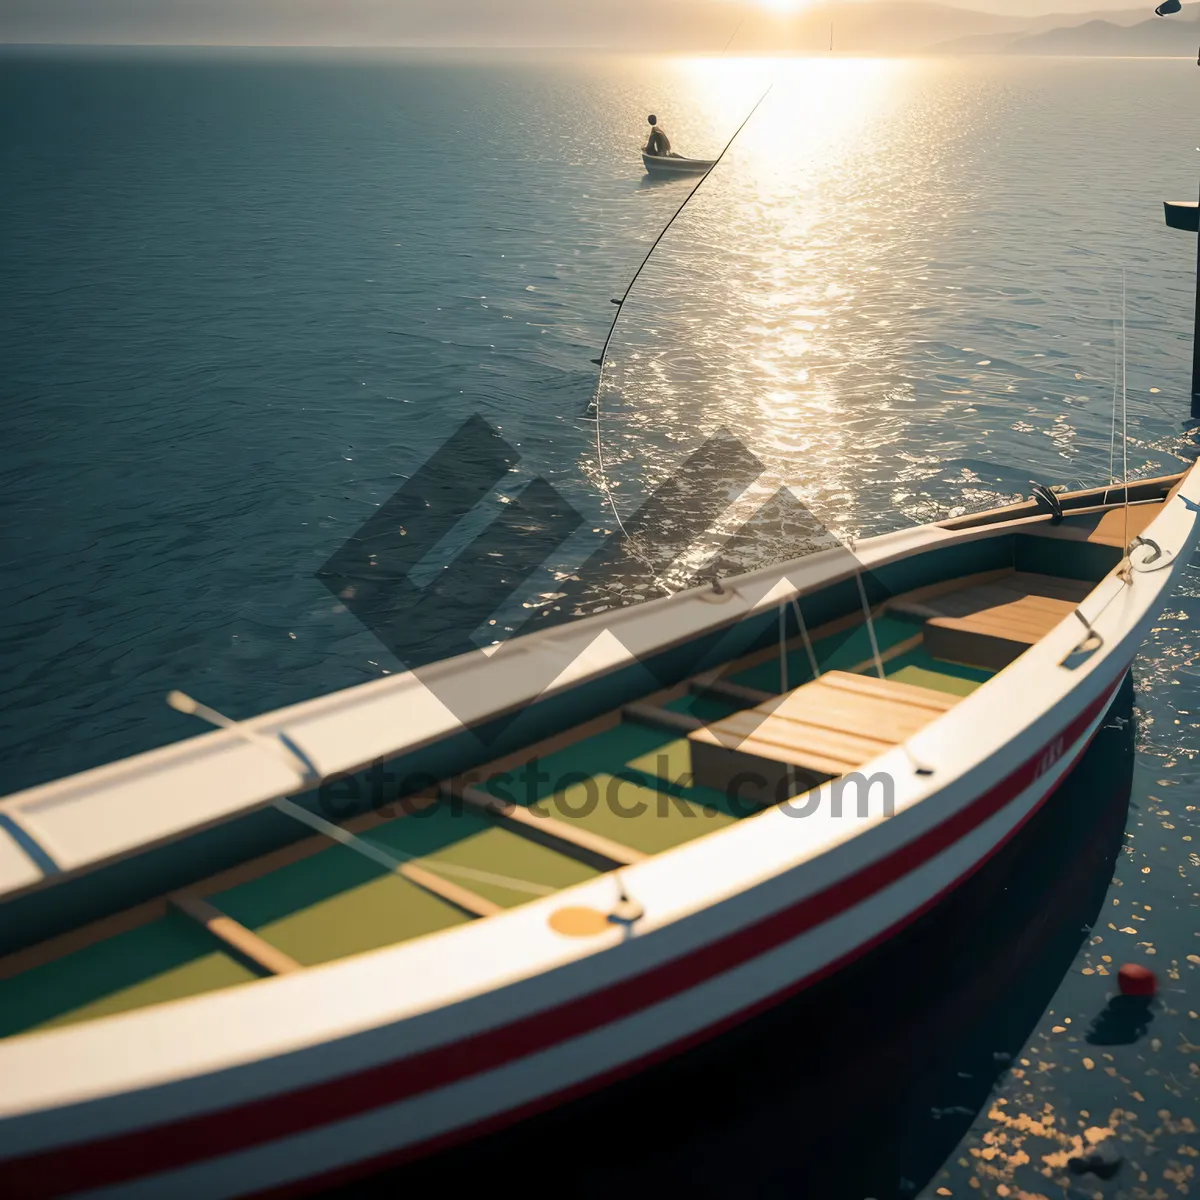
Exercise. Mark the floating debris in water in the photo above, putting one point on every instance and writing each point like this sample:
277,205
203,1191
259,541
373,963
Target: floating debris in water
1136,980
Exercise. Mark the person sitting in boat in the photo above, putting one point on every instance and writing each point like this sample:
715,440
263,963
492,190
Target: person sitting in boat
659,145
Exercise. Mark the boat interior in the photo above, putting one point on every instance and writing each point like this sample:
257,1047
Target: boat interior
628,784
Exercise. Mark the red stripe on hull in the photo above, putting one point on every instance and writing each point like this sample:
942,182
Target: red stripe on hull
153,1149
500,1121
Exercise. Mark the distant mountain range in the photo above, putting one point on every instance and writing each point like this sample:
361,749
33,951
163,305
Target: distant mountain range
1094,35
915,27
882,27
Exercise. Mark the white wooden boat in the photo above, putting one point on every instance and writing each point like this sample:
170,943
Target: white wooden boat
196,1003
674,164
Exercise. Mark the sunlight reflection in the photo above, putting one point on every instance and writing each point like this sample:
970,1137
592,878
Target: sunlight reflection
744,312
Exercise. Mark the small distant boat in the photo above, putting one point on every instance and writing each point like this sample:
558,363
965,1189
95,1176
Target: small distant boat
674,164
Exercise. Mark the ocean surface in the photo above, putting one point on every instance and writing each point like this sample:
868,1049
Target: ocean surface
247,294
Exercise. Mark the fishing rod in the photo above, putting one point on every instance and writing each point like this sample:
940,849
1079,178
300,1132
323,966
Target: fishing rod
592,412
593,409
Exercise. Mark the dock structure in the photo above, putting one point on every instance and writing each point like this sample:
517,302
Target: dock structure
1185,215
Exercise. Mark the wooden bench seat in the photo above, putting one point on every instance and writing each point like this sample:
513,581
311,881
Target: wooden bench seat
992,624
820,731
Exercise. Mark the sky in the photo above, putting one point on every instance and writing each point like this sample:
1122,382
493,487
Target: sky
690,25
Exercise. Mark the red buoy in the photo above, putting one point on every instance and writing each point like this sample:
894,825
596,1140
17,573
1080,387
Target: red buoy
1136,980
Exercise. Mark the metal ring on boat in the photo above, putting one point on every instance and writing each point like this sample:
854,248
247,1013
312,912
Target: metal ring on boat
1155,557
1090,644
1144,541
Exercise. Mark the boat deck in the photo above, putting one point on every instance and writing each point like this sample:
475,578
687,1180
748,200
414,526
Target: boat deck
616,792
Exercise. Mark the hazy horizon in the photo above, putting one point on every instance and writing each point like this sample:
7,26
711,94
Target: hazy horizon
694,26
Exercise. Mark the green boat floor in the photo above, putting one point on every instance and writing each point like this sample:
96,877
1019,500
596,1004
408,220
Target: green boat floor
917,667
649,819
630,783
612,784
333,904
163,960
462,838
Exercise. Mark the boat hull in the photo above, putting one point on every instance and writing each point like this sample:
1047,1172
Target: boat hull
667,165
848,1060
298,1082
605,1028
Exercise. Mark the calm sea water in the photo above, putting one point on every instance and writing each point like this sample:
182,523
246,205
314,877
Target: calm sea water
245,295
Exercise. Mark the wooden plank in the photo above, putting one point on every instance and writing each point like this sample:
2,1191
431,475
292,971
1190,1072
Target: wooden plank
1036,596
991,625
562,836
1034,622
837,704
1006,630
236,937
795,736
1034,584
461,897
910,693
918,599
869,717
1050,606
824,729
1021,619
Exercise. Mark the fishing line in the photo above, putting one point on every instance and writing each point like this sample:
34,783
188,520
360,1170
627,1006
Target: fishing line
1124,418
1112,441
593,410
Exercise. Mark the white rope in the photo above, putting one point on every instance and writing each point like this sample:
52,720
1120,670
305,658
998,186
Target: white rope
862,592
1112,439
504,881
783,671
808,646
394,860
